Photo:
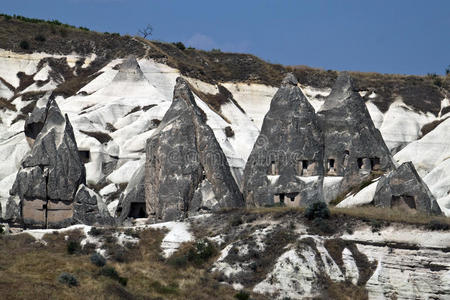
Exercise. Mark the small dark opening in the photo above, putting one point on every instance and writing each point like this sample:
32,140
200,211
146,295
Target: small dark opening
360,163
346,152
137,210
375,162
331,163
282,198
32,130
44,206
305,164
85,156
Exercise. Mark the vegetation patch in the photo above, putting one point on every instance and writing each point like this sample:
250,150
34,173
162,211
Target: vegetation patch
430,126
5,104
102,137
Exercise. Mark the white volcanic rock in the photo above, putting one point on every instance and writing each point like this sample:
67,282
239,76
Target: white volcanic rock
402,125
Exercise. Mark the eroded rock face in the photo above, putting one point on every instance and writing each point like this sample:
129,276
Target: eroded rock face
129,70
181,157
403,188
52,172
132,200
286,160
89,208
354,148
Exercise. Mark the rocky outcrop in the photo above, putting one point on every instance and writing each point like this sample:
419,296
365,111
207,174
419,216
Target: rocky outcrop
354,148
50,175
132,200
129,70
286,160
186,170
404,189
89,208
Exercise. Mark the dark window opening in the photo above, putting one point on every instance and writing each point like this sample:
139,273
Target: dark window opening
360,163
346,152
273,168
85,156
137,210
281,198
305,164
330,163
375,162
32,130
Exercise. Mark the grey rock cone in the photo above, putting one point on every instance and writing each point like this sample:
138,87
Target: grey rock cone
286,161
354,148
186,170
404,189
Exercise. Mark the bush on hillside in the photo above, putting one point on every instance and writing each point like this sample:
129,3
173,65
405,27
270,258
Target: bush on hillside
180,45
68,279
317,210
24,45
98,260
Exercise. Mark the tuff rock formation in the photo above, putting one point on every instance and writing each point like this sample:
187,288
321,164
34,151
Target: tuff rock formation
89,208
286,161
129,70
50,175
186,170
354,148
132,200
404,189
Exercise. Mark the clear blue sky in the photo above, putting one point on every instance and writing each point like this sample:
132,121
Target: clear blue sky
388,36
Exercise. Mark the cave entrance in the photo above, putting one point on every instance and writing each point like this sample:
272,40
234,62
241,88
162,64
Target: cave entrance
137,210
85,156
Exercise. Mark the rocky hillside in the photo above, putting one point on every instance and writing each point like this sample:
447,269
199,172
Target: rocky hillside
117,92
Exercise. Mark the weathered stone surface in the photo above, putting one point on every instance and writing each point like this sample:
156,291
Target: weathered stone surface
354,148
51,173
89,208
132,200
403,188
129,70
12,211
286,160
180,155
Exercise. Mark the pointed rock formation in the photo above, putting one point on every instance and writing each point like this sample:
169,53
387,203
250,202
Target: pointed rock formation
286,161
404,189
354,148
129,70
50,175
186,169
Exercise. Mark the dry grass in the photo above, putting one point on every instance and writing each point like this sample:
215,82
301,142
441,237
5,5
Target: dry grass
389,215
32,272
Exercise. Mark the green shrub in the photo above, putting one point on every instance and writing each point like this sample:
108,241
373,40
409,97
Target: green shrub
40,38
24,45
180,45
437,225
317,210
196,254
67,278
242,295
95,231
111,272
98,260
73,246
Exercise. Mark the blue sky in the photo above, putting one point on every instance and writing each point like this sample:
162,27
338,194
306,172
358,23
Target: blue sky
387,36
